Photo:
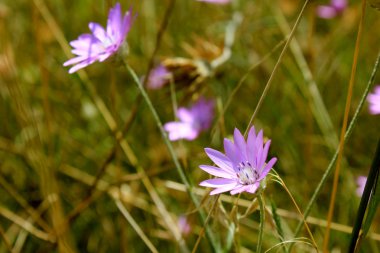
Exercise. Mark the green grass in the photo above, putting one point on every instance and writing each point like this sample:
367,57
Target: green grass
59,132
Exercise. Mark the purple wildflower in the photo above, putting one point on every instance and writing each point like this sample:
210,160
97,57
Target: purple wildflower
102,43
192,121
184,225
374,101
335,8
360,181
243,167
158,77
215,1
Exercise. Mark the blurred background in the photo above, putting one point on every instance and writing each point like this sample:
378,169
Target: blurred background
64,174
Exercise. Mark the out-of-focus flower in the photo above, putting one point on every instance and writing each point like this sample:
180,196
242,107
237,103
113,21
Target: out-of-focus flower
184,225
192,122
216,1
102,43
374,101
158,77
243,167
335,8
360,181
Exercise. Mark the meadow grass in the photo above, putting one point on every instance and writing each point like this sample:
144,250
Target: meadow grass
87,166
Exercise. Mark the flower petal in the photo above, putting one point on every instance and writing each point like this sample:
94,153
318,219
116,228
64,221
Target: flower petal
217,182
223,189
251,146
220,159
240,145
267,168
253,187
185,115
240,189
218,172
180,130
98,31
114,22
231,152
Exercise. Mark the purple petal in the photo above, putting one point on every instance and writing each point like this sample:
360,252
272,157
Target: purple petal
264,155
185,115
326,11
180,130
218,172
217,182
240,144
114,22
253,187
231,152
98,31
251,146
339,5
225,188
220,159
267,168
239,189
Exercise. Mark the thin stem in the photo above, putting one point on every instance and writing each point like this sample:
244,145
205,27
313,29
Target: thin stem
346,137
178,166
205,225
298,209
343,132
135,226
270,80
262,219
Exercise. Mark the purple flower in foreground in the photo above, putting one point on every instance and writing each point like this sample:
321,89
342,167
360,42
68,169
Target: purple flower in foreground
335,8
102,43
158,77
243,167
374,101
192,121
360,181
215,1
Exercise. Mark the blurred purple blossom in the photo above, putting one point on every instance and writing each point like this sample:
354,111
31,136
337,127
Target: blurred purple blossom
360,181
335,8
243,167
158,77
184,225
102,43
374,101
215,1
192,122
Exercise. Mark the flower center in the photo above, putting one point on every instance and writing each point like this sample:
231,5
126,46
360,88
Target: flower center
246,173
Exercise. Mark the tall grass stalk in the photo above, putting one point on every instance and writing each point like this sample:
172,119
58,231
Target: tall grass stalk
343,131
346,137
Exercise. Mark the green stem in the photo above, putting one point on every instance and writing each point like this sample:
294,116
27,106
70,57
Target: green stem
347,135
262,219
186,182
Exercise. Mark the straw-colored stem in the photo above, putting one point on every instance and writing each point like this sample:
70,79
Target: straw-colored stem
135,226
262,220
343,131
270,80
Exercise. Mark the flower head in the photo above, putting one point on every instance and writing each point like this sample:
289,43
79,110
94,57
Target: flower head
335,8
192,122
374,101
243,167
158,77
216,1
102,43
360,181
